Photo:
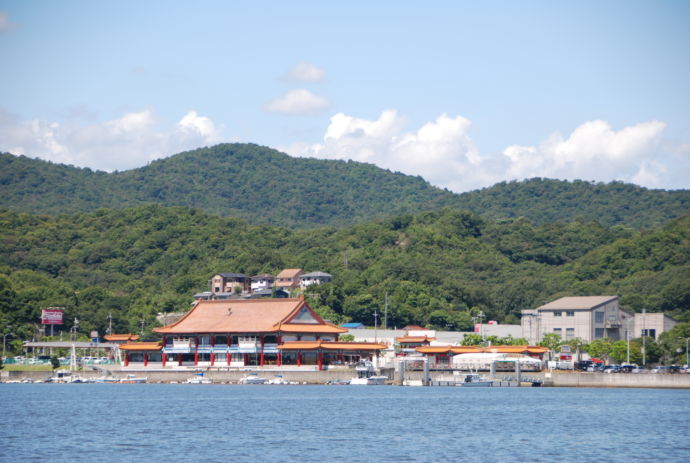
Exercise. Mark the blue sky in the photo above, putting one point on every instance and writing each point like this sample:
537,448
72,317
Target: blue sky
464,94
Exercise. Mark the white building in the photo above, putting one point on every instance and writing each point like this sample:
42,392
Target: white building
263,281
584,317
314,278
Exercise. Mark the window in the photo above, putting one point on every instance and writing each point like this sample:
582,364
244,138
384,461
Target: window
598,333
558,331
598,317
557,314
570,313
569,333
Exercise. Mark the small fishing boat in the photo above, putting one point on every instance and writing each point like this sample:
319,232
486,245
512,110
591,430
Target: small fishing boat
198,379
252,378
278,379
132,379
366,376
474,380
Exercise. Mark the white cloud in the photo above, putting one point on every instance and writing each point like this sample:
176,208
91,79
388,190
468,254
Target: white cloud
129,141
298,102
306,72
442,152
5,24
592,151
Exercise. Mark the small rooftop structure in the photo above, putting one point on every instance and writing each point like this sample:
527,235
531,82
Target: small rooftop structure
352,325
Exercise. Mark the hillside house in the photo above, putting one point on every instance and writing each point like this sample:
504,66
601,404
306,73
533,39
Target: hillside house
229,283
261,282
288,278
314,278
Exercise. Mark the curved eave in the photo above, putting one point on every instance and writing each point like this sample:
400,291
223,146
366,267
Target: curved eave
333,346
142,346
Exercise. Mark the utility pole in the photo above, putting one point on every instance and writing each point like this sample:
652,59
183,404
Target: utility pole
627,339
73,356
644,337
143,322
385,312
376,317
110,323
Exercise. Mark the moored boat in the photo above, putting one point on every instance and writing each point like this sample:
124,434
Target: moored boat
252,378
198,379
132,379
474,380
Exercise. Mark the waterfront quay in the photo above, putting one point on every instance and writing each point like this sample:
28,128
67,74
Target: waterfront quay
436,377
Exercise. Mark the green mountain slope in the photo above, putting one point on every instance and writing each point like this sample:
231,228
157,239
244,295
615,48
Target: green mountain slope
264,186
437,267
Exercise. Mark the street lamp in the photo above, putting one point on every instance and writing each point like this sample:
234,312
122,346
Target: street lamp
4,337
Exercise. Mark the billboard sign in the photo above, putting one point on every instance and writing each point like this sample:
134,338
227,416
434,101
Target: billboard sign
52,316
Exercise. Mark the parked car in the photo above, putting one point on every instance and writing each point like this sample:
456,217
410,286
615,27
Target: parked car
583,365
667,369
612,369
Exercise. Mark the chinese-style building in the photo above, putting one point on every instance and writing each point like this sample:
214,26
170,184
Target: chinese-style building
250,332
121,338
408,344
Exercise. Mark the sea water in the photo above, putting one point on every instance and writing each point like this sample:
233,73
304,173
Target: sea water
218,423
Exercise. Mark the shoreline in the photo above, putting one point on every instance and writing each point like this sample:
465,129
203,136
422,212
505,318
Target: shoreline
548,379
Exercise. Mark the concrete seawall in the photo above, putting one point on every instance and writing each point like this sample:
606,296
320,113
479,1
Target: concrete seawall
550,379
646,380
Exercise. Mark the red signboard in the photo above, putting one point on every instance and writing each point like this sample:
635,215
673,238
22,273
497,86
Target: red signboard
52,316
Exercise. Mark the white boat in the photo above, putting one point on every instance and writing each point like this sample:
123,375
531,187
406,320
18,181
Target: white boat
278,379
132,379
63,377
107,379
474,380
252,378
366,376
198,379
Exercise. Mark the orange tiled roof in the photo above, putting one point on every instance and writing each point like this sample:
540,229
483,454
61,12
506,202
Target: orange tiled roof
247,316
475,349
330,345
147,346
414,339
289,273
121,337
311,328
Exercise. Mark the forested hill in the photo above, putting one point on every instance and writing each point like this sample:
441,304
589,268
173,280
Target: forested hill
264,186
438,268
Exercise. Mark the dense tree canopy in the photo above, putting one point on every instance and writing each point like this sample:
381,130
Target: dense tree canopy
264,186
438,268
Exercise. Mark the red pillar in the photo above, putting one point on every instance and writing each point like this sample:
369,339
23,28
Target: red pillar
126,359
299,358
146,360
179,360
320,360
246,359
261,361
196,350
228,357
213,353
279,357
163,358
